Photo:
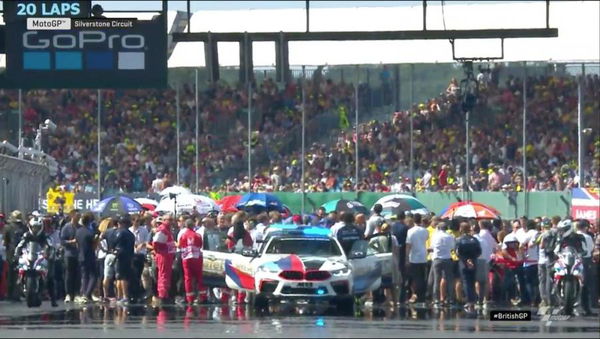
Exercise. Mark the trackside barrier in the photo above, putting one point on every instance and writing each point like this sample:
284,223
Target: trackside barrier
509,204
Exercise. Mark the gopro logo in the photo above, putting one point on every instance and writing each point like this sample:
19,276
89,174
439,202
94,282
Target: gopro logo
102,58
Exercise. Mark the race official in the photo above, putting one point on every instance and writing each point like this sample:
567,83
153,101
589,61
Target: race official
190,244
164,253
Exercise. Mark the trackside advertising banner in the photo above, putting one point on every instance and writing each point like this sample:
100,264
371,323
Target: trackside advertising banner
585,204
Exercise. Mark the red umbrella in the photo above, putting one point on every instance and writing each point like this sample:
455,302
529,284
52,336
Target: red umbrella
228,203
470,209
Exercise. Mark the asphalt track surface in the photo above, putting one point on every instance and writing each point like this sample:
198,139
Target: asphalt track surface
91,321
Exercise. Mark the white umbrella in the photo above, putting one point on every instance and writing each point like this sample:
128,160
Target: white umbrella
174,190
186,203
143,201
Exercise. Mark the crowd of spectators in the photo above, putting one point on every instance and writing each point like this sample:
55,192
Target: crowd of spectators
138,136
439,144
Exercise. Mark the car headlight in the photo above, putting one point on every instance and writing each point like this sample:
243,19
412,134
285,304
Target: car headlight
341,271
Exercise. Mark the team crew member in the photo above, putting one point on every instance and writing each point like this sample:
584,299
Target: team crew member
142,237
164,250
468,250
190,244
124,244
349,233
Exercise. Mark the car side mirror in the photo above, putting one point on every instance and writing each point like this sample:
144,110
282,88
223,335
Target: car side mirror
248,252
357,255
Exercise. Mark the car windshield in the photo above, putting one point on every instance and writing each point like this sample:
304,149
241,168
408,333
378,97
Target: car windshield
304,247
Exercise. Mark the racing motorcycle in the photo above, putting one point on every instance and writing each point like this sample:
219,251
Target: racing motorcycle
568,278
33,269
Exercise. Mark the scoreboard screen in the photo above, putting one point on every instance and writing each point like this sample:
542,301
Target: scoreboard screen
56,44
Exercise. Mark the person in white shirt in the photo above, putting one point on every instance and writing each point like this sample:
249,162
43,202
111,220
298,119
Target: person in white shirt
488,248
442,244
417,258
375,220
530,264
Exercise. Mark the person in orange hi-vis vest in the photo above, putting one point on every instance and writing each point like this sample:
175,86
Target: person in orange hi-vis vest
190,244
164,252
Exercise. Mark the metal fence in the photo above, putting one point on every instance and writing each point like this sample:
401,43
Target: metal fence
22,184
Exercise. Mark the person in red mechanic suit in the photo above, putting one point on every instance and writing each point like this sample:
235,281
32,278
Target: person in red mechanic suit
164,253
239,235
190,244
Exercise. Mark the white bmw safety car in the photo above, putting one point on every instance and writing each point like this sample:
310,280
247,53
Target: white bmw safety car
304,263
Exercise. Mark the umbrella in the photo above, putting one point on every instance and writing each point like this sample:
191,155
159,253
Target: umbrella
186,203
228,203
260,201
146,203
118,204
343,205
396,203
470,209
174,190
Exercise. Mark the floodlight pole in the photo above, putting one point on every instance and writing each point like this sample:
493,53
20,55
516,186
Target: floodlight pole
467,162
249,83
197,132
410,114
580,153
20,132
303,157
99,139
524,146
356,161
177,109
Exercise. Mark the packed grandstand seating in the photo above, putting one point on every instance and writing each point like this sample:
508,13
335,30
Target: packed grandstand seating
140,143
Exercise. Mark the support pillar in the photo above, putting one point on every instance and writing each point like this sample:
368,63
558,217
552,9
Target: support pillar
211,57
282,59
246,61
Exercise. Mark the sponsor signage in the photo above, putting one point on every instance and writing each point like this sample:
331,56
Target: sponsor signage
585,204
55,44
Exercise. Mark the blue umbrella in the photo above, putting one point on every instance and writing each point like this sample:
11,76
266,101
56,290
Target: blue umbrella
259,202
118,204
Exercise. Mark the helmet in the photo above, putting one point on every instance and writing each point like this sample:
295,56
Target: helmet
546,223
565,228
36,225
16,215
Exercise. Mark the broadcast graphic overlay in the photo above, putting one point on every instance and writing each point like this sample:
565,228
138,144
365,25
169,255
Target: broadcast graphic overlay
56,44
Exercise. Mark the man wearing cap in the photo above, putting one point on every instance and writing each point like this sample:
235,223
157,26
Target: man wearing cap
190,244
13,233
164,252
124,250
